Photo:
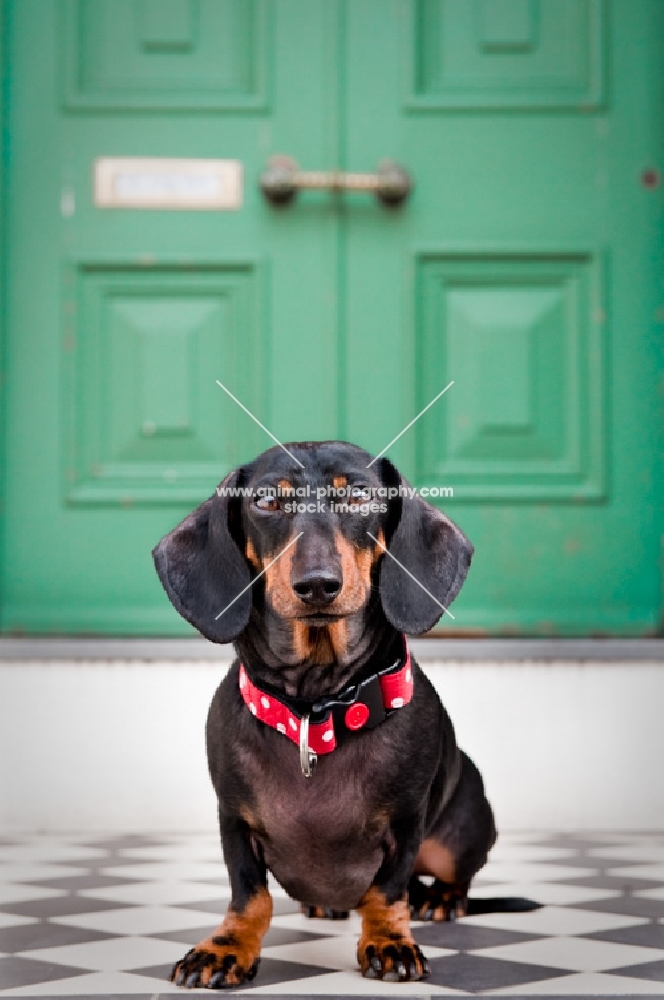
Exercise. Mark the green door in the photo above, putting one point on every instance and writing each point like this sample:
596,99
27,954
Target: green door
524,267
121,320
527,268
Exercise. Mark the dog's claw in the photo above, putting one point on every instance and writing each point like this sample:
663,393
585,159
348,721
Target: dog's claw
393,962
214,970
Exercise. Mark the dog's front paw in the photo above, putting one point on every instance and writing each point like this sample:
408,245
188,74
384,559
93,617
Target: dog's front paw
386,949
393,961
217,962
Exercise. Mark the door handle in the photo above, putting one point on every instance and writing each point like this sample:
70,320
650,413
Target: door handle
282,179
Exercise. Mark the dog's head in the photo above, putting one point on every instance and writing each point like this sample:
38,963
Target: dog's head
316,535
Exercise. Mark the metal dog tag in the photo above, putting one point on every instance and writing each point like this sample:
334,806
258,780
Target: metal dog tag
308,758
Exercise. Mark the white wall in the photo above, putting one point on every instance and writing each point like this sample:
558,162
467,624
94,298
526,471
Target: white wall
99,746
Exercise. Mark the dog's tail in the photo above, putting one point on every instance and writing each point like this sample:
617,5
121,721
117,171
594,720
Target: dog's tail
501,904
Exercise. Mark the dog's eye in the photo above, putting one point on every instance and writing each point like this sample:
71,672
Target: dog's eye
362,493
266,504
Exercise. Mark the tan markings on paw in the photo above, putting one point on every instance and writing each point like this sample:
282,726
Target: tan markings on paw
440,901
386,949
230,955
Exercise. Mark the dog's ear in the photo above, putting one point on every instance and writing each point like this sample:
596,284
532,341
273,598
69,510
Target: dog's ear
202,567
429,546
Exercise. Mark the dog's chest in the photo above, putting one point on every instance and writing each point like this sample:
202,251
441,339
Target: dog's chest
323,837
339,801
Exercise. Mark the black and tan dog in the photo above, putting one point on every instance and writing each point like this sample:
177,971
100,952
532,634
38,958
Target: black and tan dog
323,666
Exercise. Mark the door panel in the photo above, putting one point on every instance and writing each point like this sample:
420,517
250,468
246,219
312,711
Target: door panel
523,268
517,333
505,54
166,54
144,413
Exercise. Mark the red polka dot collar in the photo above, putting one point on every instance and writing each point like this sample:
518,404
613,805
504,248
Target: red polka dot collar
362,706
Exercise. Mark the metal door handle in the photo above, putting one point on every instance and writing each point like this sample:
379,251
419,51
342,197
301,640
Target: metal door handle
282,179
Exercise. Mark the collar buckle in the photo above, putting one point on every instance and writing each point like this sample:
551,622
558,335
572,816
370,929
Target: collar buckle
361,708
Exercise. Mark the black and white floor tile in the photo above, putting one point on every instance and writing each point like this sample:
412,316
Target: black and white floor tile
108,916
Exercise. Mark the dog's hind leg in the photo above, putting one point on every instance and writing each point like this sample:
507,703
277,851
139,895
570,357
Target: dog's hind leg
453,851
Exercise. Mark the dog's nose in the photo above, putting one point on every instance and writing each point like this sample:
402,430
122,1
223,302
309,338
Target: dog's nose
317,586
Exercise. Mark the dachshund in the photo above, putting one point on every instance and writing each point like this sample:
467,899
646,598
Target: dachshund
334,762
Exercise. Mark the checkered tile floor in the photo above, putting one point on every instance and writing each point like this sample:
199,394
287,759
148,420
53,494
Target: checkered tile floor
107,917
